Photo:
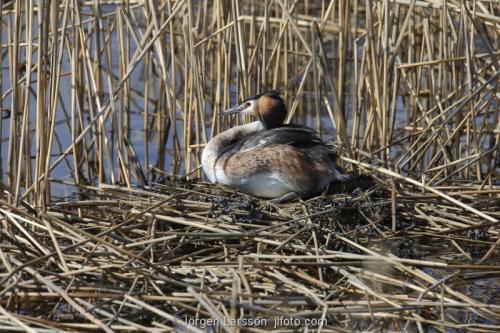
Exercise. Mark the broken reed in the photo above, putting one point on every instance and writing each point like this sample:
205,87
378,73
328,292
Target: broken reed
112,92
128,259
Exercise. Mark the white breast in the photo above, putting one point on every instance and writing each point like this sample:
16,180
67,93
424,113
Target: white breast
264,185
208,162
213,149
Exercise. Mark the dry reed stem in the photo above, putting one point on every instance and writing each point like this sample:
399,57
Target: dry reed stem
101,98
132,256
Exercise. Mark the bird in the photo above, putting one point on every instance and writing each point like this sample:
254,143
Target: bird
269,159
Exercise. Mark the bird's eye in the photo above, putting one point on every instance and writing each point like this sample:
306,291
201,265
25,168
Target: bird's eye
247,104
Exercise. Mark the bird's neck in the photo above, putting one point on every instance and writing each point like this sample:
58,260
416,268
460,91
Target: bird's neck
223,141
227,138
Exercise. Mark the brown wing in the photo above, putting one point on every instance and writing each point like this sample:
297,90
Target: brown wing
289,163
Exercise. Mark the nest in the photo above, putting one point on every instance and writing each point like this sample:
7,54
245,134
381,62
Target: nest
192,256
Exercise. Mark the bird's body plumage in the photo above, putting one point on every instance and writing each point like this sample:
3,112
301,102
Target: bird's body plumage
280,163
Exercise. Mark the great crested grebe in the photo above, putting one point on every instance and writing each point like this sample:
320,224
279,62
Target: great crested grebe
268,159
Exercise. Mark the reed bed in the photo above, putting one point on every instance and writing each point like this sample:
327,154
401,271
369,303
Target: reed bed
107,224
189,255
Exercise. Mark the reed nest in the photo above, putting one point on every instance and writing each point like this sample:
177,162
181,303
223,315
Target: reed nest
106,223
187,255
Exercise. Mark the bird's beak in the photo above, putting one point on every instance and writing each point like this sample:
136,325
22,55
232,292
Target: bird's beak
236,109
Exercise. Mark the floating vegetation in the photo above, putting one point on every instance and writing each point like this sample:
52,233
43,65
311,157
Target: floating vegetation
128,259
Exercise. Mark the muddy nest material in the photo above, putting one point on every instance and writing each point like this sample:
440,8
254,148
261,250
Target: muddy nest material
192,255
